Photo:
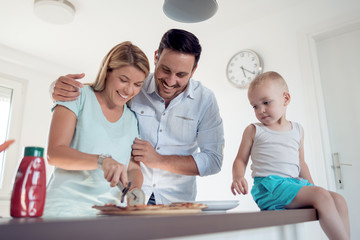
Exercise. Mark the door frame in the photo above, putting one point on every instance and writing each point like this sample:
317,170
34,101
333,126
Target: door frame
317,141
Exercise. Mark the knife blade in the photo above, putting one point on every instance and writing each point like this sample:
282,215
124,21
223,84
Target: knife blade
124,190
136,196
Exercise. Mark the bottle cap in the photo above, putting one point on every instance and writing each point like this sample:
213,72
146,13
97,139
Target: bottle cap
34,151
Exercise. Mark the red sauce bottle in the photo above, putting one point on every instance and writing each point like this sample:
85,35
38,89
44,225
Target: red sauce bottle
28,195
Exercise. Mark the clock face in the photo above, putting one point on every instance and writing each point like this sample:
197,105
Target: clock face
243,67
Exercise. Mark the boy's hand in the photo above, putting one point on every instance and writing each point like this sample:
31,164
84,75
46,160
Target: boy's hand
239,186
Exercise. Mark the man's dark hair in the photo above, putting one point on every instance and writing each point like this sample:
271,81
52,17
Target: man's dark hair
181,41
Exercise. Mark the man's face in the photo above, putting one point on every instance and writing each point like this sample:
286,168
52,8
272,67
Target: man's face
173,71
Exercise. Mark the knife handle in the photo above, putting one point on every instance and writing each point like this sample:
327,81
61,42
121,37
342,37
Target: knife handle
124,190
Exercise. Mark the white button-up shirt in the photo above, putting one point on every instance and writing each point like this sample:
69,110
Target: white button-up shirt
190,125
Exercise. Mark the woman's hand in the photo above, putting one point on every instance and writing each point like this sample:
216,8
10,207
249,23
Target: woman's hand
5,145
239,186
114,172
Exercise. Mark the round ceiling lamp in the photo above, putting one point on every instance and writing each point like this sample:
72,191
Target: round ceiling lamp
54,11
190,11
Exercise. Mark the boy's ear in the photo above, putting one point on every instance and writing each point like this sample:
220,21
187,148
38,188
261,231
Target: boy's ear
287,98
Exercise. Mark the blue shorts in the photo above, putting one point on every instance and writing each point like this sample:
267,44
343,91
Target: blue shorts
275,192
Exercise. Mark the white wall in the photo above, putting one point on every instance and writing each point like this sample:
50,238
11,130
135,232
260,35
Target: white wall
35,76
277,38
280,39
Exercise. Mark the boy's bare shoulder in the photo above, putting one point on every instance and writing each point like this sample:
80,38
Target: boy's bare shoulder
250,128
250,131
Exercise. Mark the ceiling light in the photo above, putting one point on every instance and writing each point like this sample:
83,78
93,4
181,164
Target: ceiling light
54,11
190,11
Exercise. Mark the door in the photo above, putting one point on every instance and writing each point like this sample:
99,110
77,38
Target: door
339,63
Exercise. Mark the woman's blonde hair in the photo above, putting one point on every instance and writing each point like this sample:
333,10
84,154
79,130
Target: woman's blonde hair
123,54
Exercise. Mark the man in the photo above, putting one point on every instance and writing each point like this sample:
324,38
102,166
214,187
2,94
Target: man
180,126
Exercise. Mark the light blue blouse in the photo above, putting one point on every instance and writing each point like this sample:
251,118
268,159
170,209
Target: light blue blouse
73,193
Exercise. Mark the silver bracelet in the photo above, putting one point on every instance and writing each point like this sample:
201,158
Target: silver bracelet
101,159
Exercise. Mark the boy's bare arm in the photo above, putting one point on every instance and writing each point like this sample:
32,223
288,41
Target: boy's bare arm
239,182
304,169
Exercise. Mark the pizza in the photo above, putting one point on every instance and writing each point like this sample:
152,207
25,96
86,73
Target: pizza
187,205
173,208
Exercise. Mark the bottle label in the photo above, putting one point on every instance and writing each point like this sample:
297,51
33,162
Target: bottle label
28,196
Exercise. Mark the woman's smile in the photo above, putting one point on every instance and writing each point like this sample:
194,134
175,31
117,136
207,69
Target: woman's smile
123,96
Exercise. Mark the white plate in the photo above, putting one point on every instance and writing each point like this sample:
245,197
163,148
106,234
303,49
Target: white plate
219,205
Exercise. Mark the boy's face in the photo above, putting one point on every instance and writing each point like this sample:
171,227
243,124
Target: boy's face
269,100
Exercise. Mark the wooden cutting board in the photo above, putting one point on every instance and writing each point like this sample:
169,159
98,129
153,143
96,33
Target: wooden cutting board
150,209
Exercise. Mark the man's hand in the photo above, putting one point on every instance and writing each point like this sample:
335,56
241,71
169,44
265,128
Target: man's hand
144,152
66,88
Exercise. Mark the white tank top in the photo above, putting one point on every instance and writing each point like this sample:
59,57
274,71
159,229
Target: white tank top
276,153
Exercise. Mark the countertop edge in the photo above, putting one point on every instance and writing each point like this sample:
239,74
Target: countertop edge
150,227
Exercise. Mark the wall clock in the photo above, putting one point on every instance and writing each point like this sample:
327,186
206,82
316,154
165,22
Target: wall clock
243,67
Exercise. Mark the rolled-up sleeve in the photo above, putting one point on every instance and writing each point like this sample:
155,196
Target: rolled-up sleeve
210,140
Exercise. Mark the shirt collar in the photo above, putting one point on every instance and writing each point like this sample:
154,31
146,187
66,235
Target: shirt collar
151,87
189,90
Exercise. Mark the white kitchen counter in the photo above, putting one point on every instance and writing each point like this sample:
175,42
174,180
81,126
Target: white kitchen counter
148,227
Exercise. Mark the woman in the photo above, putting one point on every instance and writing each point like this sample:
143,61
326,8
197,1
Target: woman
90,138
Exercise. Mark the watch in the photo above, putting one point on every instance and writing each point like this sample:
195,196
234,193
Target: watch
243,67
101,159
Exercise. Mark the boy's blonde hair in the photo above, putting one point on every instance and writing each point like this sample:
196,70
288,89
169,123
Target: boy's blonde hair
268,76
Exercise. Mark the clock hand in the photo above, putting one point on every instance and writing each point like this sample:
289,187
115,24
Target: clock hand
242,68
253,72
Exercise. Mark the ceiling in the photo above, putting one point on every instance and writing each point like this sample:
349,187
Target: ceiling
99,25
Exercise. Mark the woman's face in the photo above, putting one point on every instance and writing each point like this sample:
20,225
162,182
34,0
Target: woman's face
123,83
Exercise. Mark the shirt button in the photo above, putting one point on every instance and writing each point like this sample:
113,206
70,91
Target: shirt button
162,101
164,114
154,185
160,130
142,112
158,148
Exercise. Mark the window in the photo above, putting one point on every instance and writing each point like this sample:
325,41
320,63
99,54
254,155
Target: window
5,106
11,118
